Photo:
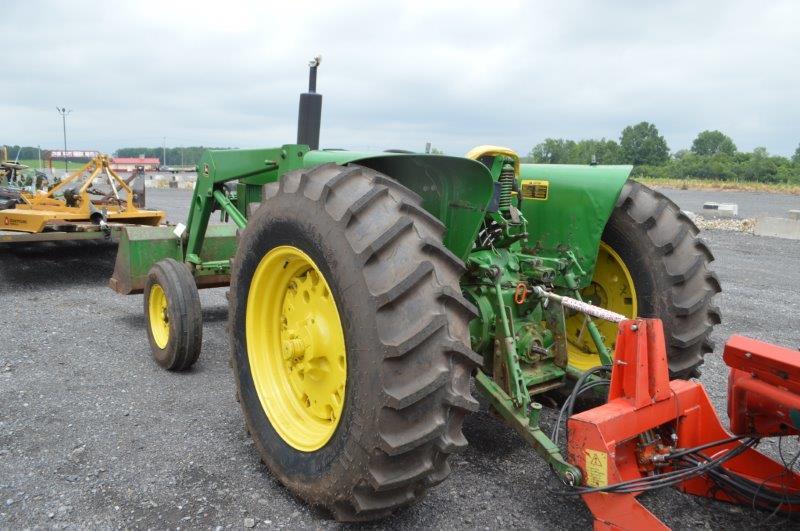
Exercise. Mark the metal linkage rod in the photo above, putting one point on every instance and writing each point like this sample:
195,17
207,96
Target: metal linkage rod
579,306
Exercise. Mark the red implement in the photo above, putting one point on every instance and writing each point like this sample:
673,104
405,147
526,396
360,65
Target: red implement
763,387
648,417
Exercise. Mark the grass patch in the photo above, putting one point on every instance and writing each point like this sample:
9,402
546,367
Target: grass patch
32,163
57,164
710,184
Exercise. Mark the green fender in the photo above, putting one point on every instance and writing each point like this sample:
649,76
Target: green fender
455,190
567,208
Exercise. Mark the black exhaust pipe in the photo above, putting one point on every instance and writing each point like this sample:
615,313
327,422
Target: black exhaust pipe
310,114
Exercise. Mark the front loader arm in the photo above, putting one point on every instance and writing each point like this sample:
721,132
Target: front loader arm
251,167
207,248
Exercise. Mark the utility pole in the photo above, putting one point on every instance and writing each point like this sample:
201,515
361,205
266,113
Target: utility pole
64,112
164,151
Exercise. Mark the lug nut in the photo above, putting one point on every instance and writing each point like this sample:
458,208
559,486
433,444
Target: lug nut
293,348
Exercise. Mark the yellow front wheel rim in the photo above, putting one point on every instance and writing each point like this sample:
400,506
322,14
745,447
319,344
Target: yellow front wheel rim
611,288
159,317
296,348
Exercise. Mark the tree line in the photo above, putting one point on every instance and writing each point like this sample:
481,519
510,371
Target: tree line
25,152
713,155
173,156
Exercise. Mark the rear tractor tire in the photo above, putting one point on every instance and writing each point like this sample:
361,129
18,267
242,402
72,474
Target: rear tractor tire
350,340
651,263
173,315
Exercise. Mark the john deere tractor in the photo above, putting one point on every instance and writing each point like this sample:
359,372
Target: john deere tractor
368,290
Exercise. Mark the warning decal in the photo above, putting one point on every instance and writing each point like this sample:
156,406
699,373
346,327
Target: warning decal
596,468
535,189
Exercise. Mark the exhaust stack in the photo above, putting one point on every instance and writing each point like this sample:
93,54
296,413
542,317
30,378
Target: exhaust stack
310,112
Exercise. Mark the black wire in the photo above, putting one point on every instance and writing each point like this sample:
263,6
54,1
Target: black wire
686,451
666,479
750,490
758,493
577,390
570,402
787,467
677,476
647,483
691,462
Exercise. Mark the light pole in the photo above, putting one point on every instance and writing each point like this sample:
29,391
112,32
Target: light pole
64,112
164,151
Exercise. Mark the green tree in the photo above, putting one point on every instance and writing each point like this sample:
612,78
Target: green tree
22,152
599,151
642,144
713,142
552,151
759,167
796,156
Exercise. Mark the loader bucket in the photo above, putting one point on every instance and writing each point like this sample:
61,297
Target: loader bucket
141,247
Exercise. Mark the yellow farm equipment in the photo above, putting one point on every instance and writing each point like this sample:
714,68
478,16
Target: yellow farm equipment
77,205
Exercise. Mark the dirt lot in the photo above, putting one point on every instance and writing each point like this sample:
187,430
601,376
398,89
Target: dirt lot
94,434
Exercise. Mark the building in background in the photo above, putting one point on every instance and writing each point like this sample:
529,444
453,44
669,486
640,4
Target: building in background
79,157
129,164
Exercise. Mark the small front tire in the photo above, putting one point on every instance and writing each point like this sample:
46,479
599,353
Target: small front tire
173,315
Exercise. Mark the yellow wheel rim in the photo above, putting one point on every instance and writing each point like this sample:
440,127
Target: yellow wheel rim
159,317
612,288
295,348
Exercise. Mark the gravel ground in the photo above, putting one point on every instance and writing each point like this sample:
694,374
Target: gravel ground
94,434
751,204
173,201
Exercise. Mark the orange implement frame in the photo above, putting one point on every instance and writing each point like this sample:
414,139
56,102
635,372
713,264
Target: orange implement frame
606,442
763,387
41,209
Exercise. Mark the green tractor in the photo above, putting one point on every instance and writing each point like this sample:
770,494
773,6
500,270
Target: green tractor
368,290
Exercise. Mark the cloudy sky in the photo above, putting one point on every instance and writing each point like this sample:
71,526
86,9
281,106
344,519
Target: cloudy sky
395,75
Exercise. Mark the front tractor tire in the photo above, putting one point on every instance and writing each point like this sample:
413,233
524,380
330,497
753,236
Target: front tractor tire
651,263
173,315
350,340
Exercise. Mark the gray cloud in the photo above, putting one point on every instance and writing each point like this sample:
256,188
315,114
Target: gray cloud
399,74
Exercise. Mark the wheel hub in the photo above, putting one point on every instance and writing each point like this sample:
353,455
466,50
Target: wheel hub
296,348
159,316
612,288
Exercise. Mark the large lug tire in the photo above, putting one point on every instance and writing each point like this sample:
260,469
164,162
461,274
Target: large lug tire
669,265
173,316
405,326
